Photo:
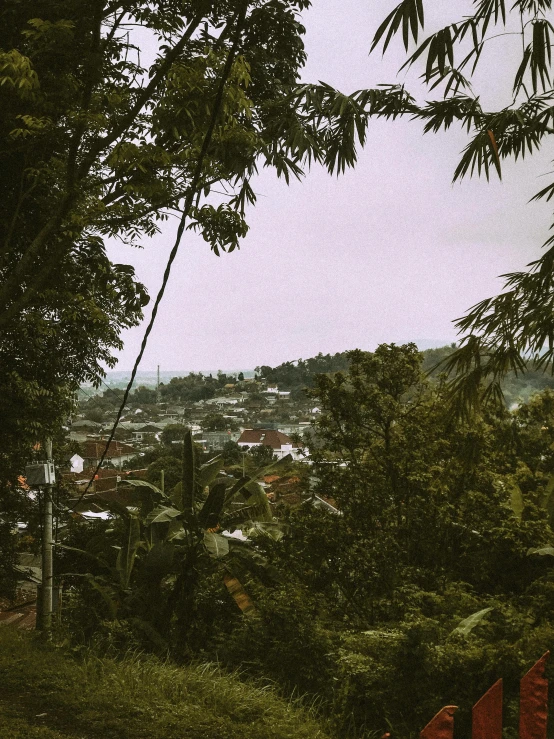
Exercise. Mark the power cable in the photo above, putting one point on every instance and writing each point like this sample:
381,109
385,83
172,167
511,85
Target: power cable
186,209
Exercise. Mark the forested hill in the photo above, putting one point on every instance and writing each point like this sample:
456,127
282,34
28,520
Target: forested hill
300,373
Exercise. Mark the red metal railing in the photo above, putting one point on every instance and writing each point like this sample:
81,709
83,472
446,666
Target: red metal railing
487,712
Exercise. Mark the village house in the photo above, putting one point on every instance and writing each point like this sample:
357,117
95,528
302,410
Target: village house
118,452
147,432
217,439
79,430
279,442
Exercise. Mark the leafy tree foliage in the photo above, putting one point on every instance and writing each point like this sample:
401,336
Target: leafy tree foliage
301,373
262,454
143,396
231,453
217,422
171,466
414,489
173,432
500,333
98,143
366,608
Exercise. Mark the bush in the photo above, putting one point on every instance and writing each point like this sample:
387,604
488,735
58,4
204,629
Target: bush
286,643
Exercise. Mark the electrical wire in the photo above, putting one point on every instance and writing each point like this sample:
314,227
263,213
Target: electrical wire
192,191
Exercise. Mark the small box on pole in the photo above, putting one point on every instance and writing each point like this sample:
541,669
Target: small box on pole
40,474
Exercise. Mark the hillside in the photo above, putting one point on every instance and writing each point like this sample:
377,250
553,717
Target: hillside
47,694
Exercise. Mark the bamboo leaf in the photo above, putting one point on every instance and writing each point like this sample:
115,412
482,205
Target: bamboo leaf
494,147
409,15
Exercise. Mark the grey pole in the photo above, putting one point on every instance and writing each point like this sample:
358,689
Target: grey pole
47,564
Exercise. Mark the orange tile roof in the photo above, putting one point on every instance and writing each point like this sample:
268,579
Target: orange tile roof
95,449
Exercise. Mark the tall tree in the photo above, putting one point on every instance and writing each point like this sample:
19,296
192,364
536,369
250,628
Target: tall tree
99,139
421,498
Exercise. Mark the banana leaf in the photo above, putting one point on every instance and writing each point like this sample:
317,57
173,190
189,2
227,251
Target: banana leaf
272,529
239,595
257,500
100,560
189,481
144,484
113,506
151,633
209,516
209,471
176,531
106,594
161,514
239,486
128,551
469,623
158,561
217,545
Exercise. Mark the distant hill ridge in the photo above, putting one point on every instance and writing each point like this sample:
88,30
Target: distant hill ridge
296,374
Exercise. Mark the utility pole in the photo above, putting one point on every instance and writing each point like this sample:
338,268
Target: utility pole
47,563
158,387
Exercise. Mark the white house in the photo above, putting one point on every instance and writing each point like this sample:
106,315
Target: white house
279,442
76,462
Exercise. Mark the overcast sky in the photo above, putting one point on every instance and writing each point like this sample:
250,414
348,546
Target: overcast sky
389,252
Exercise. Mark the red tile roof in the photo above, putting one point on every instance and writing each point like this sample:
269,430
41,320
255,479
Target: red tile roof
94,449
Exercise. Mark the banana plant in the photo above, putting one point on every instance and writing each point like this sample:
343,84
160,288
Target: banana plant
166,537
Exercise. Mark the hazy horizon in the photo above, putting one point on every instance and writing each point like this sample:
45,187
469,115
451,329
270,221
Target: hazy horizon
422,345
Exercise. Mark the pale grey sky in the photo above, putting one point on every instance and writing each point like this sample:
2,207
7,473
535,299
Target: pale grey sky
391,251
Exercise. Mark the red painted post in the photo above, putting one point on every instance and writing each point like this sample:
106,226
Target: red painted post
487,714
533,702
441,726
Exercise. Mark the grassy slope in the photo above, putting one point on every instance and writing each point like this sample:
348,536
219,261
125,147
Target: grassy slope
132,699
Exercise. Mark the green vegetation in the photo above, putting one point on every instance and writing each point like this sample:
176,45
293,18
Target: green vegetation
49,693
438,520
296,376
411,566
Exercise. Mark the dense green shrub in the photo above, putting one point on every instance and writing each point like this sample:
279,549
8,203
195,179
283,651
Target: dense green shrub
286,642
